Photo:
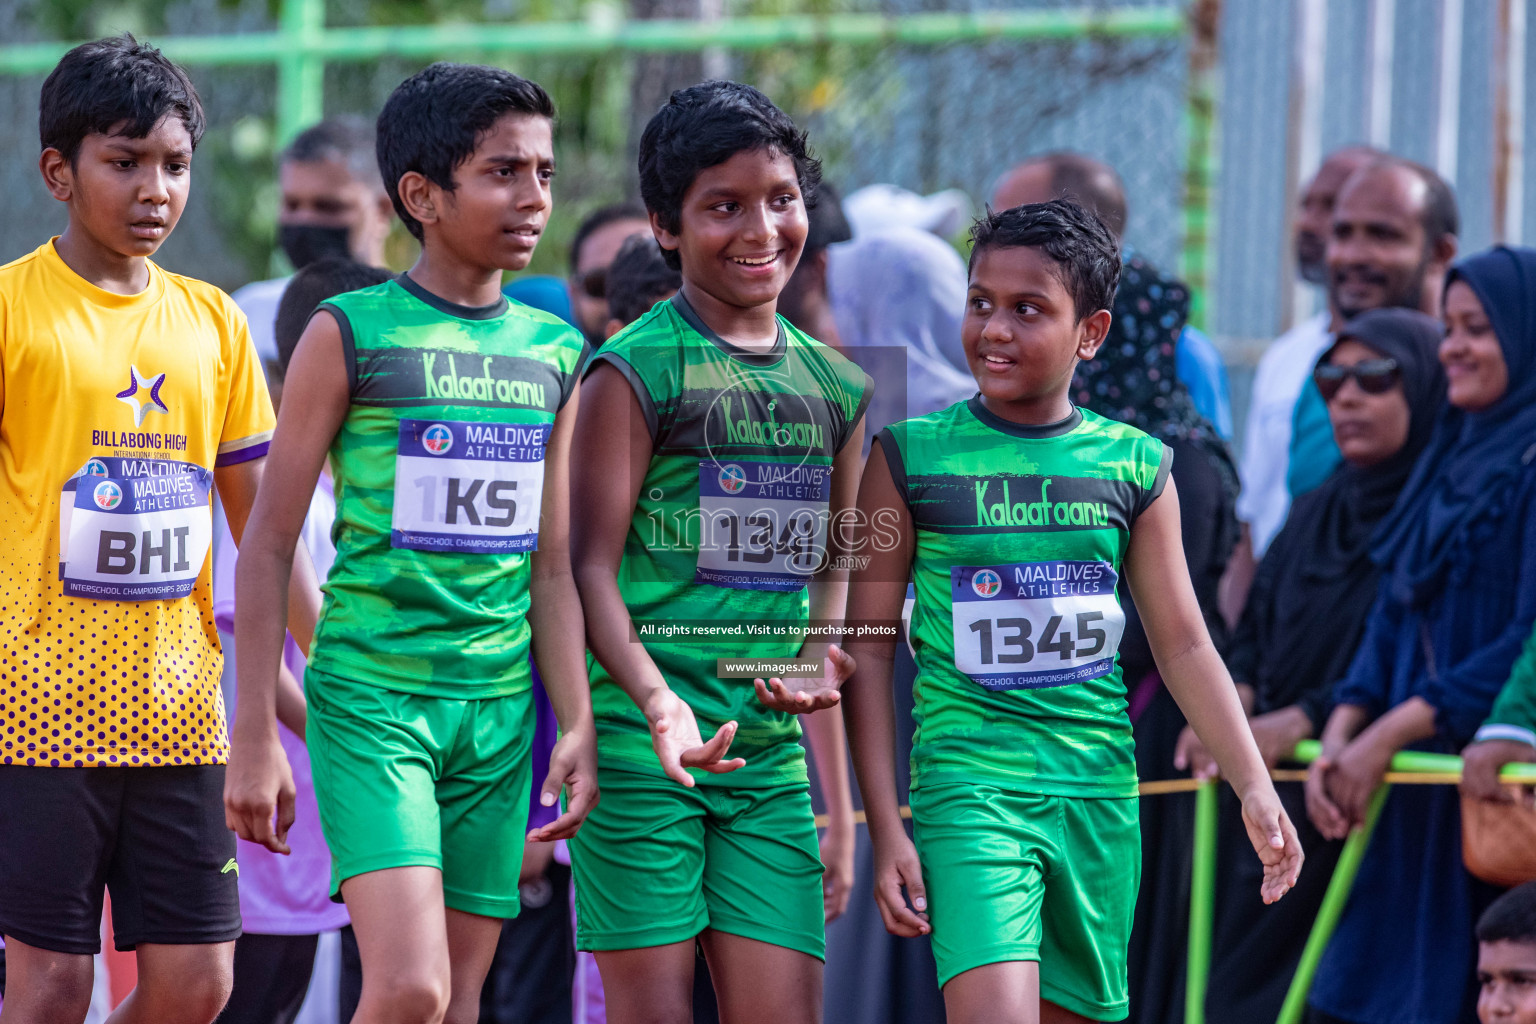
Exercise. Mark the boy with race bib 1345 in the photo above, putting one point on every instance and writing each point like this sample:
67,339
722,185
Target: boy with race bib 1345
1015,515
717,441
447,414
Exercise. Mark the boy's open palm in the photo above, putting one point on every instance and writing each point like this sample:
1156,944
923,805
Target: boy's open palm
897,868
258,786
1274,840
675,737
572,767
804,694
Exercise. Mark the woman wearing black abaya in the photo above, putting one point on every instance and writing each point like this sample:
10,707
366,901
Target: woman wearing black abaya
1134,379
1301,627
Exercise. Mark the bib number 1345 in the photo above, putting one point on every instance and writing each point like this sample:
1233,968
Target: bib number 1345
1035,624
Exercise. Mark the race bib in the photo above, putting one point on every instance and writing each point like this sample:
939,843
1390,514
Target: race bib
762,525
134,529
468,488
1035,624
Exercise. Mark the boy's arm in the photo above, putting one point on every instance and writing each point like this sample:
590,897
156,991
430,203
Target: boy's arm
829,749
828,597
559,642
259,783
875,598
291,709
1193,672
238,486
615,446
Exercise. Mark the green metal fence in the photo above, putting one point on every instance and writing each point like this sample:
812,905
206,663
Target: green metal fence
302,45
1407,768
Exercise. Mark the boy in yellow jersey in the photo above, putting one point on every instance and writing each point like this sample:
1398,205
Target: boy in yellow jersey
127,395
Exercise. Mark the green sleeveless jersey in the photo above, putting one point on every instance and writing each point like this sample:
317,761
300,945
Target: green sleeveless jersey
439,470
1020,535
730,524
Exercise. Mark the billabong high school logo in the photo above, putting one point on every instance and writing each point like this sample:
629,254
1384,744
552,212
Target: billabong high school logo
142,395
733,479
437,439
95,467
108,495
986,583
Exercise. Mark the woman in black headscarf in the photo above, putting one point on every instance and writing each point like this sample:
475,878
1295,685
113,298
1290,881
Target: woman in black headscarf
1384,385
1455,607
1134,379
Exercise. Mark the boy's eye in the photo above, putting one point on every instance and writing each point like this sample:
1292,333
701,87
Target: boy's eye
1025,309
730,206
122,164
176,167
980,305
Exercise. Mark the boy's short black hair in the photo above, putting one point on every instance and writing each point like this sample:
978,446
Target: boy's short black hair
433,120
347,138
114,86
827,224
601,218
1511,917
704,126
638,277
1074,238
320,280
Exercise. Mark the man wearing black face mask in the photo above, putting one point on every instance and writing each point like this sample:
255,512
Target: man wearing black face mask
333,204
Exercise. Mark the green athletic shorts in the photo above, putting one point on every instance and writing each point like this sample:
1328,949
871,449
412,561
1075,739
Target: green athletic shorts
1021,876
657,862
404,779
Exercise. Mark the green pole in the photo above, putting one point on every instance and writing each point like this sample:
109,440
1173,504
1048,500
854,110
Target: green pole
1202,903
300,71
1200,158
302,40
1328,914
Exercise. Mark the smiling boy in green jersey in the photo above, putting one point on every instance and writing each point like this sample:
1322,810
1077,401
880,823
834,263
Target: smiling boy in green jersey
717,442
447,414
1015,513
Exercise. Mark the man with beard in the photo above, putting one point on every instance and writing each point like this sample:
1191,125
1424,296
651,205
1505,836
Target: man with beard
1283,370
1393,236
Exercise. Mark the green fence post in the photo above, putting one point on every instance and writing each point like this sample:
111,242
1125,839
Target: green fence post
1202,903
300,69
1200,157
1328,914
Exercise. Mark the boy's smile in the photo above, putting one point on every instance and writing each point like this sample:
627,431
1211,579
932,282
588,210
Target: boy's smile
1022,336
742,230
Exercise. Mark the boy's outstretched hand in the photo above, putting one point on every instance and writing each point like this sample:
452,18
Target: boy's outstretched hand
809,693
572,767
676,740
258,787
1274,840
897,868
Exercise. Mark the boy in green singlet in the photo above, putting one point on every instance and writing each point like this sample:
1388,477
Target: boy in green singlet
1014,514
447,414
717,441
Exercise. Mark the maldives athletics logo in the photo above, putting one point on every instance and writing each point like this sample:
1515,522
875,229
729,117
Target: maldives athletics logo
733,479
108,495
986,583
95,467
437,439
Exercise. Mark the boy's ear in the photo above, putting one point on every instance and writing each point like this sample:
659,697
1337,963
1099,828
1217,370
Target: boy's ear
1093,329
58,175
419,196
664,238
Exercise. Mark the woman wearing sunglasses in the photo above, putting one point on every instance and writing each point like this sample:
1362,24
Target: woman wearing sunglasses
1456,603
1384,386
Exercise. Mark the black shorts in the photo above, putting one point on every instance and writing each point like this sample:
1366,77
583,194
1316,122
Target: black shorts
155,837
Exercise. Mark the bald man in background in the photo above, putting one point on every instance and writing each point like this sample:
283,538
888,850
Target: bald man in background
1095,185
